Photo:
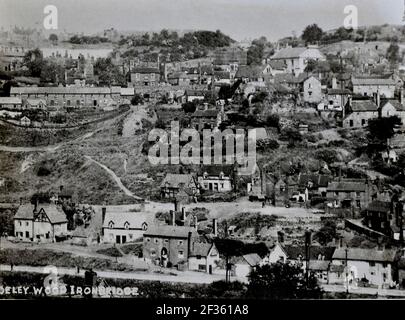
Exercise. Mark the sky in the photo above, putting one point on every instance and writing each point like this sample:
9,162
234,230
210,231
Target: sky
241,19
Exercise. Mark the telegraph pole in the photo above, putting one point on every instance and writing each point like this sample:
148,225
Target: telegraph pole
347,272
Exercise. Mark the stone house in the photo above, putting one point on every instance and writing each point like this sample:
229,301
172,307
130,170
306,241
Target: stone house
40,222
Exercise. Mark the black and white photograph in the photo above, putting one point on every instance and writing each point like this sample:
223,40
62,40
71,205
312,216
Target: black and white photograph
185,150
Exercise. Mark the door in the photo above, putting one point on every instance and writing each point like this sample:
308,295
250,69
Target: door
210,269
124,239
117,239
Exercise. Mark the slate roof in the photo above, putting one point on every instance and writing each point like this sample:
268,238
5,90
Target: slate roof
25,211
289,53
252,259
210,113
195,93
54,212
294,252
396,104
277,64
319,265
318,180
176,179
249,72
169,231
145,70
363,106
360,254
373,81
346,186
379,206
10,100
136,220
200,249
339,91
60,90
215,170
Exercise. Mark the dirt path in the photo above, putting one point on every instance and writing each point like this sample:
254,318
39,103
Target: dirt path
115,178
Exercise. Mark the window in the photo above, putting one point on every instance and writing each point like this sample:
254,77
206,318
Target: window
147,239
52,102
156,240
181,254
68,102
180,242
310,93
126,225
202,267
351,123
385,264
111,224
166,240
20,224
363,122
198,257
26,223
372,264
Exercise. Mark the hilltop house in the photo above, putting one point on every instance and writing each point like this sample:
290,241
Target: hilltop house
164,244
375,266
350,193
314,184
40,222
384,217
309,86
359,113
296,59
206,119
393,108
10,103
145,76
369,86
337,98
216,178
174,183
122,227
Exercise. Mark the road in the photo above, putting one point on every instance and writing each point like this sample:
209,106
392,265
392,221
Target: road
49,148
363,290
178,277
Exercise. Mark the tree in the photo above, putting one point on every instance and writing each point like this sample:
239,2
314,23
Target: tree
108,73
6,223
255,53
326,233
273,120
53,38
312,34
136,99
189,107
393,53
34,61
381,129
282,281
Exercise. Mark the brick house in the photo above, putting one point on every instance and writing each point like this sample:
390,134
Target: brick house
164,244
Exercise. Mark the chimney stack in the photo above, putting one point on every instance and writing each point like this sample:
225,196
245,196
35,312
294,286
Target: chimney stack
280,235
173,215
196,223
215,227
183,211
103,212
